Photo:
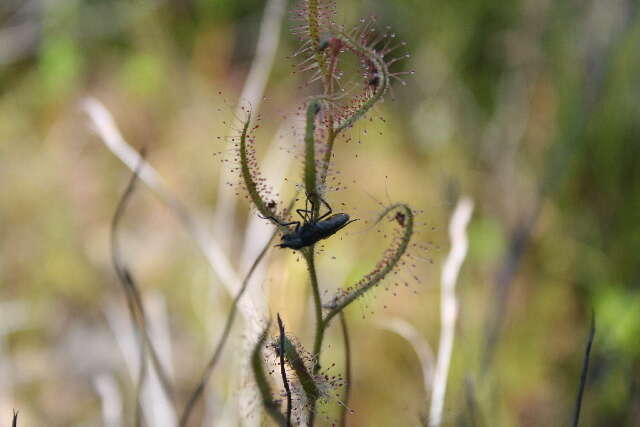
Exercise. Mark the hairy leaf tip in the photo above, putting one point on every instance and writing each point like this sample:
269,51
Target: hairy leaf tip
258,190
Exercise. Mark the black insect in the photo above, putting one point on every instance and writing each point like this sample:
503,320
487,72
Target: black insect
313,229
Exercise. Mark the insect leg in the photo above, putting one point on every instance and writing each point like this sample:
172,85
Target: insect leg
303,214
326,214
310,200
281,224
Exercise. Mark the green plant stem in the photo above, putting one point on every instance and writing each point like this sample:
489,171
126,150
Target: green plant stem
310,180
347,370
331,137
317,344
317,301
317,347
320,325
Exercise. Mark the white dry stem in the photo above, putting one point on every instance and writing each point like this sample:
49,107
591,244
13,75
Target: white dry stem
110,399
158,410
251,309
105,127
107,130
420,345
449,305
252,94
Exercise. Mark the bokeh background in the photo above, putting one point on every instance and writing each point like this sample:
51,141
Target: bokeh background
529,107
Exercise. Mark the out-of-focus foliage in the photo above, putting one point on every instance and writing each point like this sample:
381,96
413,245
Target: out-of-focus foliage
531,107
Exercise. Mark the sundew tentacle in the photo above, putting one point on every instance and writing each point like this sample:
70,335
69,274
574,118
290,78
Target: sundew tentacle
390,260
251,177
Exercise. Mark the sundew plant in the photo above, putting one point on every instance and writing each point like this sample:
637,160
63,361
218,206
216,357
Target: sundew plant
339,102
330,113
348,72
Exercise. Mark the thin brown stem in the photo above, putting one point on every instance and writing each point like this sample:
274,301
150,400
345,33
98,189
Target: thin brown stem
320,326
134,299
317,301
208,370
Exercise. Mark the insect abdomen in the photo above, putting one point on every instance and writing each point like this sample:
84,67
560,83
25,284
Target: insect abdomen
332,224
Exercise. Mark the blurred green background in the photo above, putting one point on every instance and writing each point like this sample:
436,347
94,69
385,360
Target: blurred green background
530,107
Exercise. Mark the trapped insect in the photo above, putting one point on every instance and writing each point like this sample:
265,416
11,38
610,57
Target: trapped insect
313,229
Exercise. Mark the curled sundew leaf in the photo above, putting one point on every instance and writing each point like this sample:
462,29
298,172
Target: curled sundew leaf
253,181
379,68
389,261
261,380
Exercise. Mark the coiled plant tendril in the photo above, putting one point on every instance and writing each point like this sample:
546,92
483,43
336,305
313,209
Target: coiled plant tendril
388,262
